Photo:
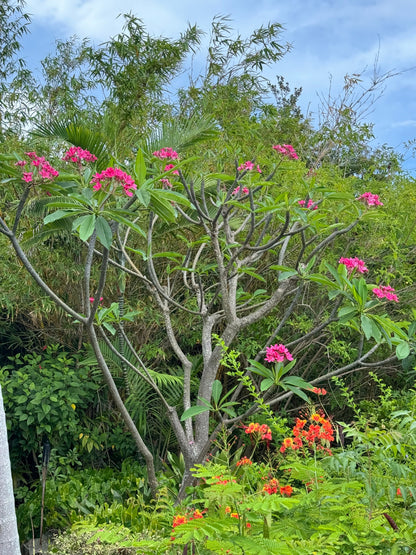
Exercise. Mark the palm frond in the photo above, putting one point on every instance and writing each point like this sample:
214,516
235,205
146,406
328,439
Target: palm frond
79,134
182,135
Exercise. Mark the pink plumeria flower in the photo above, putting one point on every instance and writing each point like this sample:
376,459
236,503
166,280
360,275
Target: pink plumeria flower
286,150
310,204
166,153
370,199
169,167
92,299
354,264
117,176
77,154
385,292
244,190
277,353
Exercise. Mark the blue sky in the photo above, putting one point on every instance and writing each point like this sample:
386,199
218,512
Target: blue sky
330,38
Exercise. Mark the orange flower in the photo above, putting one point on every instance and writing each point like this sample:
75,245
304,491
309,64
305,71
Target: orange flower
244,461
234,515
286,490
179,519
271,486
228,509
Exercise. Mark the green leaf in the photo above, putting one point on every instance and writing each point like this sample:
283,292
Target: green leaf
104,233
58,215
402,350
366,325
122,220
265,384
140,168
86,229
286,275
346,313
216,391
193,411
296,381
258,368
144,196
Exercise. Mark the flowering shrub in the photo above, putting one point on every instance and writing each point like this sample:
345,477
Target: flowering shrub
114,176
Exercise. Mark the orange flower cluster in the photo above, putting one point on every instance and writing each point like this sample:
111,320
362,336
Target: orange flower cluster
320,433
261,430
183,519
319,391
222,481
273,486
243,461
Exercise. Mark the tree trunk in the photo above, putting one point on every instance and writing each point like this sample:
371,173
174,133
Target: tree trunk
9,538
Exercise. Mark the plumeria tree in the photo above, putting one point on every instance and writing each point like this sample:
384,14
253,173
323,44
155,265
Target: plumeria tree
247,247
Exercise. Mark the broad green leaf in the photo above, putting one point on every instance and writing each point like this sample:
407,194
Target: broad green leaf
104,233
216,391
258,368
346,313
297,381
402,350
58,215
122,220
140,168
266,384
193,411
366,325
144,196
251,273
287,275
296,391
86,229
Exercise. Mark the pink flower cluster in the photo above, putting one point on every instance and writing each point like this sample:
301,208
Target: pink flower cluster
166,153
237,190
111,175
370,199
286,150
248,166
309,205
169,167
77,154
43,168
277,353
385,292
166,183
354,264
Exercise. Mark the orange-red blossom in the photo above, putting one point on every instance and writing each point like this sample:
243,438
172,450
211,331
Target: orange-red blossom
319,433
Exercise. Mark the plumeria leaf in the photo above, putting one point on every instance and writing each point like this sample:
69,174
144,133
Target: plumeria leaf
402,350
366,325
266,384
346,313
193,411
104,233
144,196
86,229
140,168
296,391
287,275
58,215
258,368
216,391
296,381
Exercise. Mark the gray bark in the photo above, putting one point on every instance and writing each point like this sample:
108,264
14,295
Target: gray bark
9,538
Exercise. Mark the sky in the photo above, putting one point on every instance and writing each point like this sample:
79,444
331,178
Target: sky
329,39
